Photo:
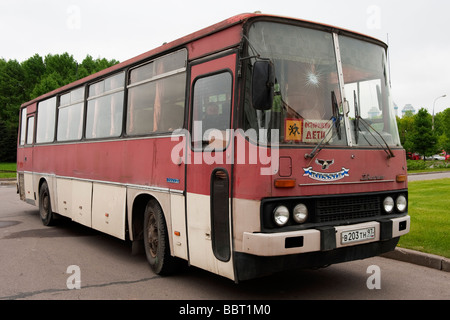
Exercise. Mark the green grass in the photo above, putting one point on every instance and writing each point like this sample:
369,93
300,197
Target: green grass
429,208
7,167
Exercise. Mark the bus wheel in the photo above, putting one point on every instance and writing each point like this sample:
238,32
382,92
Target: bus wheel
156,240
45,207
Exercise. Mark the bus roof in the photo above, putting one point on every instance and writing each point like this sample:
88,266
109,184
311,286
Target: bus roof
237,19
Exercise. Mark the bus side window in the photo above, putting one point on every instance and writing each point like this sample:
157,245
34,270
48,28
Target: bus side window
30,130
23,128
46,118
156,95
211,106
105,108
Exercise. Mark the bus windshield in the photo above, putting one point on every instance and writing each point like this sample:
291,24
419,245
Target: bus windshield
312,103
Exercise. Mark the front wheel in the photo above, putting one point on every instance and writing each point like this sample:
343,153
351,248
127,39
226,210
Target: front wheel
45,206
156,241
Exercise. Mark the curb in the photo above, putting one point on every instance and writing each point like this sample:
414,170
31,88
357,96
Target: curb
419,258
8,182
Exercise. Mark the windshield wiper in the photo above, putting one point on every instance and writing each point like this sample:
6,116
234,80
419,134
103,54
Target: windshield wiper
357,117
368,127
385,147
319,146
336,118
336,114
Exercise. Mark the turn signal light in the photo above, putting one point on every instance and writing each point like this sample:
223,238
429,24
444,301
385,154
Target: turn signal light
401,178
284,183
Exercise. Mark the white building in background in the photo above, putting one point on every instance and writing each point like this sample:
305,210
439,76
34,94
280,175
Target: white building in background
396,109
408,107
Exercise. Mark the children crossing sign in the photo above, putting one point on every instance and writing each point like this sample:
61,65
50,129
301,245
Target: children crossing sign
293,128
307,131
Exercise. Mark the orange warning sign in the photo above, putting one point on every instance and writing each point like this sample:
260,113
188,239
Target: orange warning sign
293,129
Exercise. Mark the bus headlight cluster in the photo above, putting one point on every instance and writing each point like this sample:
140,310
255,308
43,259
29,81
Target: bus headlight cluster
281,214
400,204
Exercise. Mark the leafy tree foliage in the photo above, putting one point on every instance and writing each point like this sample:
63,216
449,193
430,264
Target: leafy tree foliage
417,136
21,82
406,130
424,139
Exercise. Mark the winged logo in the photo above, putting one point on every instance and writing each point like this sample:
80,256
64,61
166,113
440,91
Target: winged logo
324,163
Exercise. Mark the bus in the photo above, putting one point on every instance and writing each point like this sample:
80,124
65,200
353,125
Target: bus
257,145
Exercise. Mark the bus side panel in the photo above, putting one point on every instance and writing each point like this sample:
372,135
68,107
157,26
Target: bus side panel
97,174
215,42
82,202
29,191
108,209
178,217
145,162
64,197
74,199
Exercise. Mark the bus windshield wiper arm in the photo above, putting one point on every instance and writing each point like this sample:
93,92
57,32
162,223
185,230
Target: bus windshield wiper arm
336,118
357,117
336,114
385,146
320,145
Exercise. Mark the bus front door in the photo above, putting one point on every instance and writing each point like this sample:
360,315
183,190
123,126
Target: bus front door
208,173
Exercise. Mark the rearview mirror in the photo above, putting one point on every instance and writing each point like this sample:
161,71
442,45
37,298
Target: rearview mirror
263,80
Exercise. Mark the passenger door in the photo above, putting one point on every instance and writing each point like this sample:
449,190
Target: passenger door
208,171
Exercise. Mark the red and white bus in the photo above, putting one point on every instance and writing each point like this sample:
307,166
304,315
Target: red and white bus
253,146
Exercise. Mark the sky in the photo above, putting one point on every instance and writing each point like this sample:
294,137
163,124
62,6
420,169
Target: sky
417,31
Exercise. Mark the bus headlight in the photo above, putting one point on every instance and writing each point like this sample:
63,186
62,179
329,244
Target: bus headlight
281,215
401,203
388,204
300,213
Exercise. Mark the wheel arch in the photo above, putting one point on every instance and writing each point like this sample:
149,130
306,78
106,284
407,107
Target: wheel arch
43,180
139,203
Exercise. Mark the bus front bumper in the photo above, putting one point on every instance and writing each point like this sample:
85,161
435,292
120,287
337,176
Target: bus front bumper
324,238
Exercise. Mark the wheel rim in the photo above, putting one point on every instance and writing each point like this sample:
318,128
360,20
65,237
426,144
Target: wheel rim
152,235
45,205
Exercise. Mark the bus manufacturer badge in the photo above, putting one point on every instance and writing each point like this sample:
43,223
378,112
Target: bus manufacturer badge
324,163
324,176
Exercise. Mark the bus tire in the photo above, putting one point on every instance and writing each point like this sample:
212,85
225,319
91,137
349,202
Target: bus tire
45,206
156,241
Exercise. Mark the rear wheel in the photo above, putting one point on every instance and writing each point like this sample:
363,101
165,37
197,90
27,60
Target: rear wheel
156,241
45,206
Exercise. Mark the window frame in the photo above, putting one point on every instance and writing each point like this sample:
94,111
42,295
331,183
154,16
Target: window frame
54,120
97,97
155,78
193,143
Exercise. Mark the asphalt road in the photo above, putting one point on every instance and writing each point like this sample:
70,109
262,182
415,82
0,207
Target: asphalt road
44,263
428,176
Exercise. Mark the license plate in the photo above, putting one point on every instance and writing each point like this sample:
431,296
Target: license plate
358,235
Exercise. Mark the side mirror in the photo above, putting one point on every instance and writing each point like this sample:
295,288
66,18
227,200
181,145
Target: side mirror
263,80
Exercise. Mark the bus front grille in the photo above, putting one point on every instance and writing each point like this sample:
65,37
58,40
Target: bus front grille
346,208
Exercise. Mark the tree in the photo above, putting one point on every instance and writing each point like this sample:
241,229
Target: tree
21,82
89,66
406,130
442,122
443,143
12,89
424,139
8,142
34,69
